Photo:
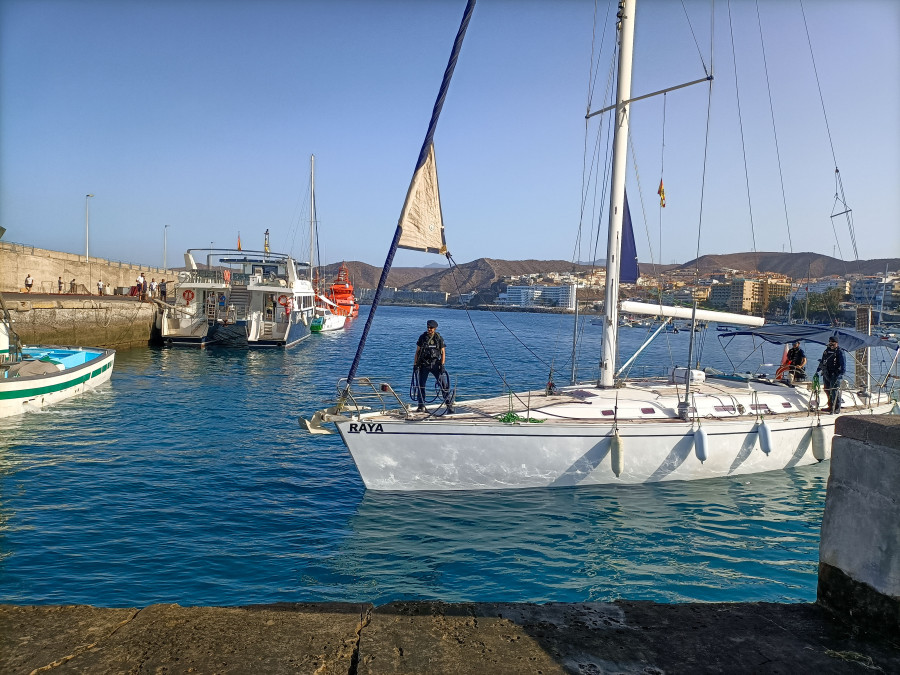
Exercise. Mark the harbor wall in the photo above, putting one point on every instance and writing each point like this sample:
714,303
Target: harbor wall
82,322
859,550
46,267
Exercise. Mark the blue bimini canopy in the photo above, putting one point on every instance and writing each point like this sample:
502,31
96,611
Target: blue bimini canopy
848,340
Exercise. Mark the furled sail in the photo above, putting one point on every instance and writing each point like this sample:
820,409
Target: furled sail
628,267
421,221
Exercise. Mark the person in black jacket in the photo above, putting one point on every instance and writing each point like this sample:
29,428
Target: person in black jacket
431,352
797,361
832,366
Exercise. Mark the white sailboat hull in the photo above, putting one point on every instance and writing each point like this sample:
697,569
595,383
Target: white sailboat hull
454,455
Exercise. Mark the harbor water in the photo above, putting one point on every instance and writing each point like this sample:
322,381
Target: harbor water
187,479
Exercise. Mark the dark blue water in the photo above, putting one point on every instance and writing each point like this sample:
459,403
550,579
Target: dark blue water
187,479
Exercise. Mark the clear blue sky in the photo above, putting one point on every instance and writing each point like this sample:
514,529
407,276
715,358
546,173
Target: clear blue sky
203,114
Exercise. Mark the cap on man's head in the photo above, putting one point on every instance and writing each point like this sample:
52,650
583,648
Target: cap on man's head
833,339
431,323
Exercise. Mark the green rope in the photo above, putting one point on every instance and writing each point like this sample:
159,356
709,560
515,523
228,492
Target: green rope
512,418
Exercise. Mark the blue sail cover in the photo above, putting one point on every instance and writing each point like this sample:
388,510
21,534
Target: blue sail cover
628,267
848,339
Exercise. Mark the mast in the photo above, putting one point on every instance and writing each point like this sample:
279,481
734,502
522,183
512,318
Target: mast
312,215
617,193
427,149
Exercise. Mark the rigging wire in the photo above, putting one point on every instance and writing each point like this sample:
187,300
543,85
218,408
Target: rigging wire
839,184
762,43
662,171
452,264
696,43
737,96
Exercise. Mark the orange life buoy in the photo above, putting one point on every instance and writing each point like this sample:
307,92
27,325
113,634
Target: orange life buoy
227,276
188,295
282,300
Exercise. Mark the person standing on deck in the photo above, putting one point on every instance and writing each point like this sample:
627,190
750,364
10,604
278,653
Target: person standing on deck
431,353
832,366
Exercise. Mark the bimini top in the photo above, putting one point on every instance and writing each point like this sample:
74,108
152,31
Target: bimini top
780,334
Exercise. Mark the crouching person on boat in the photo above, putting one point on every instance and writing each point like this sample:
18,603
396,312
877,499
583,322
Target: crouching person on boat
796,359
431,353
832,367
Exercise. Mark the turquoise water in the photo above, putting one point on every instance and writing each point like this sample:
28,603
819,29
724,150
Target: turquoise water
187,479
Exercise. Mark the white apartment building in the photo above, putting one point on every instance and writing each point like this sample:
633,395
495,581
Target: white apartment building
541,296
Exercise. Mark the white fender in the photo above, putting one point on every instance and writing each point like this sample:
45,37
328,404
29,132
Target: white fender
700,443
765,437
617,454
818,441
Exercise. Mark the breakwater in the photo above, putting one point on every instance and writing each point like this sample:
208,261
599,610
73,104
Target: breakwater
46,267
81,321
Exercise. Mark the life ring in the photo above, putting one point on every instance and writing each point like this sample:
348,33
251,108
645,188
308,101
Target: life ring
782,370
188,295
282,300
227,276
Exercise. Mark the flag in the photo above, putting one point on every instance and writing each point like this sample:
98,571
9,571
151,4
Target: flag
239,241
662,194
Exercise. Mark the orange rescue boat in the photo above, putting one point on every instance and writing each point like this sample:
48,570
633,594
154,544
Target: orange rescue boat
341,294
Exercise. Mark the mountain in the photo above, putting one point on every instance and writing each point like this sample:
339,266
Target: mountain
794,265
482,273
476,275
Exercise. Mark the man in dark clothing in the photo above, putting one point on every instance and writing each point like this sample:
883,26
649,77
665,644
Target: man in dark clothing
832,367
797,361
430,356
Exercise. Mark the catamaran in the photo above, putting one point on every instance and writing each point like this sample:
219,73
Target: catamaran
693,424
238,298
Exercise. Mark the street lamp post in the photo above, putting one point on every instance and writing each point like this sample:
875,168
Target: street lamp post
87,226
165,260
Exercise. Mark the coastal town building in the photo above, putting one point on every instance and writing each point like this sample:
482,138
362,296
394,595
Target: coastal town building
562,297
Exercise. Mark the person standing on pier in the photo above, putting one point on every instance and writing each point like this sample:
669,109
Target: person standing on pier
162,290
29,282
59,285
99,286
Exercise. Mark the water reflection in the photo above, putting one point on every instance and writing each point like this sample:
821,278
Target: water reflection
704,540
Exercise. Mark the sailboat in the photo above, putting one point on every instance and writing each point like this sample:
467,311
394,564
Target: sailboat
328,316
694,424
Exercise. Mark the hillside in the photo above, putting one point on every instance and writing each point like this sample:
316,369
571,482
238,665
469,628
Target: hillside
794,265
476,275
480,274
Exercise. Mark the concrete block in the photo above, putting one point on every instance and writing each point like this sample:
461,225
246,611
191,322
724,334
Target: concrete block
859,550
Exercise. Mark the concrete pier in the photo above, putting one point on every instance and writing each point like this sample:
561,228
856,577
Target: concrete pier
433,637
852,628
113,322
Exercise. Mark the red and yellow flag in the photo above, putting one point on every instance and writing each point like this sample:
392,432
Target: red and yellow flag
662,194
